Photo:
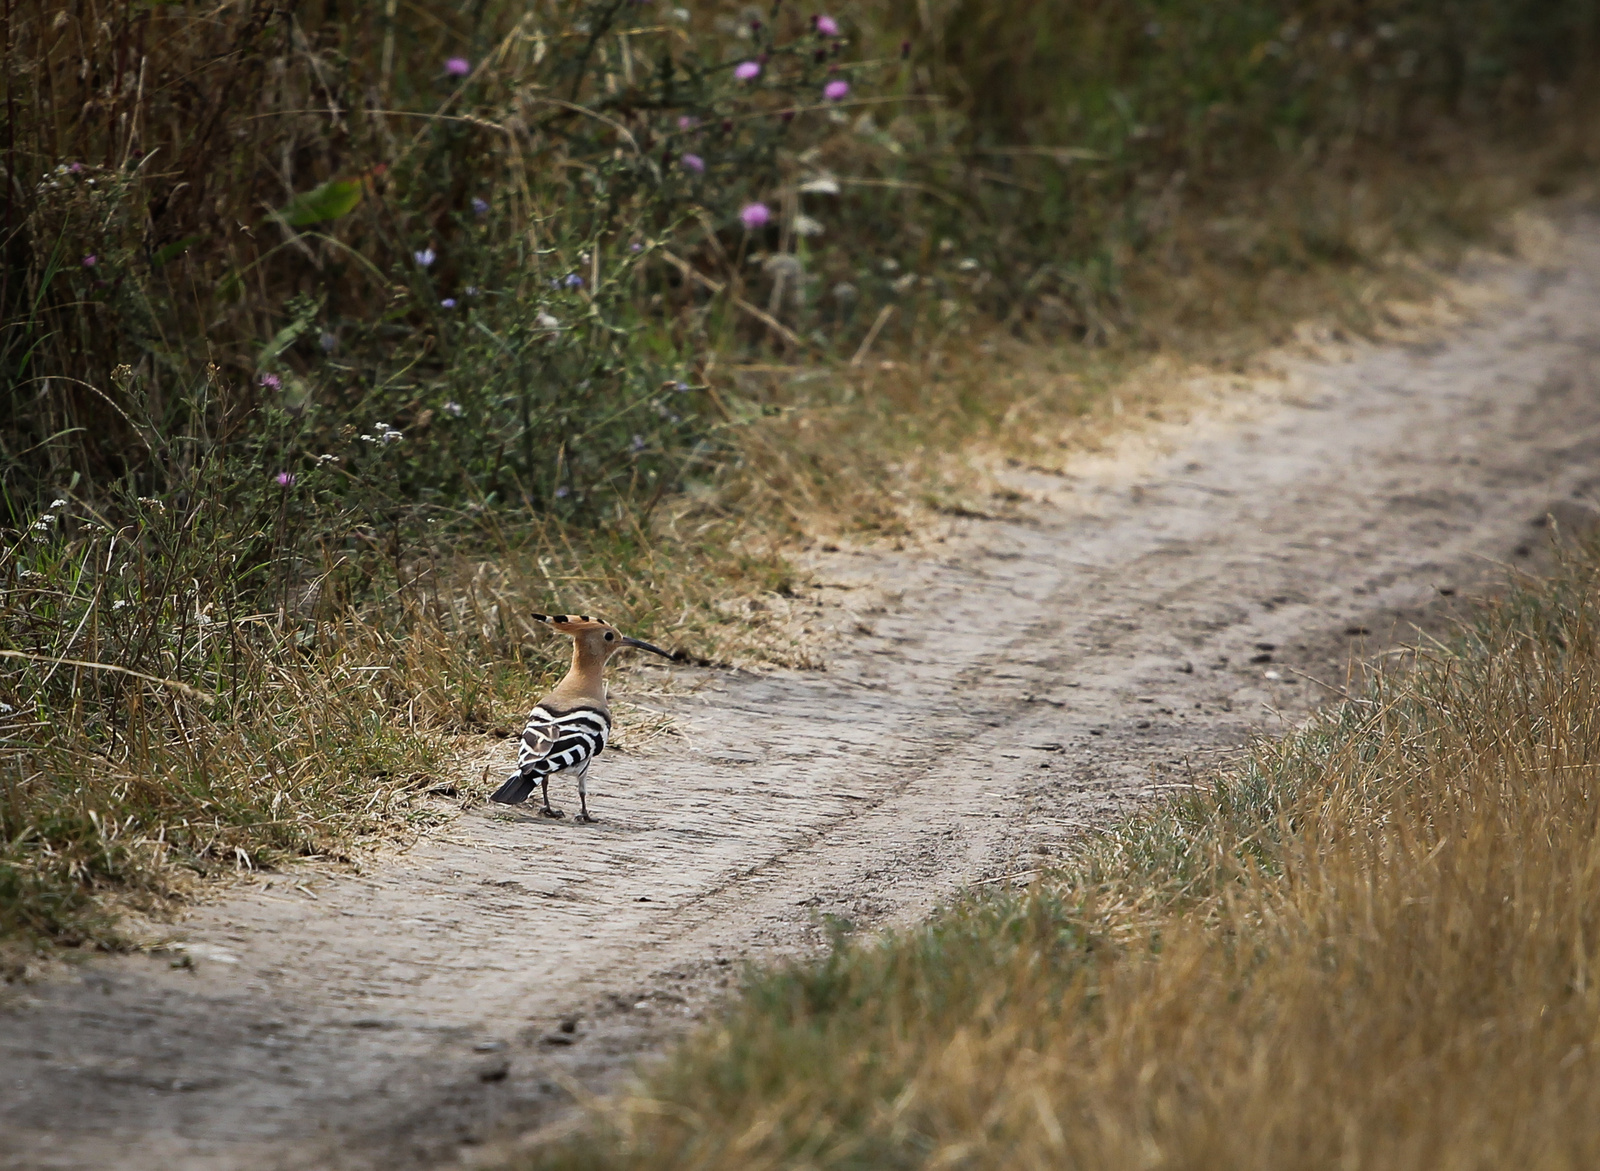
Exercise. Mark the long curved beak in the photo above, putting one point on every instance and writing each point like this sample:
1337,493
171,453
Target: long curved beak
644,646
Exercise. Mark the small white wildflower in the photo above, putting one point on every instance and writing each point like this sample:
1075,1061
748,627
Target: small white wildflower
6,709
119,603
59,502
967,264
380,428
366,439
904,284
454,409
327,459
804,225
392,436
548,322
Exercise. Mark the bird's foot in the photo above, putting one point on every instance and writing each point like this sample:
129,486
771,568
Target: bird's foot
549,812
586,819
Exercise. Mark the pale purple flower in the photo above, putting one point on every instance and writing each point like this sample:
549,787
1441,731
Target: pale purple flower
448,303
755,215
573,281
76,168
636,247
835,91
685,122
457,66
480,207
638,443
748,70
454,409
562,492
283,479
328,342
693,163
271,381
424,256
90,260
827,26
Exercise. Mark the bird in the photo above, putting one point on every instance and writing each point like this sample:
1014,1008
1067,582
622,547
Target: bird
569,727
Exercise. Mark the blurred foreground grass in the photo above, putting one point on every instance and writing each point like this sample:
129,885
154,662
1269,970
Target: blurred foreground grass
1373,945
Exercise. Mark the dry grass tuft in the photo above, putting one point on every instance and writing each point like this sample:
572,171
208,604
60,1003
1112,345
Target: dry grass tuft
1373,945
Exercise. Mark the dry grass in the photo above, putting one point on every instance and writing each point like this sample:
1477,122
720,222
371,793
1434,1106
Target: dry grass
1374,945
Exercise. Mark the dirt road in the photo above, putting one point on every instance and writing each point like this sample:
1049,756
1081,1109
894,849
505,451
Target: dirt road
981,706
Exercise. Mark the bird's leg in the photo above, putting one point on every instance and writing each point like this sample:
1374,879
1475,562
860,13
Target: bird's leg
583,793
544,786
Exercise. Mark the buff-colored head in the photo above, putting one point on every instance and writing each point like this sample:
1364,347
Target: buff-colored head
595,640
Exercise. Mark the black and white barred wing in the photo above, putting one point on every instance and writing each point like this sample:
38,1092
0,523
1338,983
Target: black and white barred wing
552,743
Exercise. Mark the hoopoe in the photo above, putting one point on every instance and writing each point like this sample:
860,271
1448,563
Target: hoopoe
569,727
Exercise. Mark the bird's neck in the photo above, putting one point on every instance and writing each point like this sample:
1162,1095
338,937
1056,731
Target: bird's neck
584,681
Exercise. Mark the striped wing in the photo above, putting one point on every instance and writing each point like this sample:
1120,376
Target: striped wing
552,742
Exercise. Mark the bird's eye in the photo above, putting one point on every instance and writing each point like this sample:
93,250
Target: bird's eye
609,636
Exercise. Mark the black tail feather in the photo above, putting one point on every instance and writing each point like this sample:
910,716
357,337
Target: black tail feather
516,789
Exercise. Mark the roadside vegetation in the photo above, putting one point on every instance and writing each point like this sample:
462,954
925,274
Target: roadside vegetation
1373,944
332,342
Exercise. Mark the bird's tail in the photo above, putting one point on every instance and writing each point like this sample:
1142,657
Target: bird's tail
516,789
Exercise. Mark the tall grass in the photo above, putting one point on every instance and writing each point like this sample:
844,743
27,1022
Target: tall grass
332,339
1372,945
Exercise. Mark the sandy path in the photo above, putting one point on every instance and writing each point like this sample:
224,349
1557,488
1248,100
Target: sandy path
1038,675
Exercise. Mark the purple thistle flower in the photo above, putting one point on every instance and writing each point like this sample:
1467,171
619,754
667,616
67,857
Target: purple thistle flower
694,163
90,260
755,215
480,207
748,70
283,479
826,25
271,382
835,91
424,256
457,66
76,168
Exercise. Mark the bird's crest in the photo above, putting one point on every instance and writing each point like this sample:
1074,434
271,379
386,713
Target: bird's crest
573,623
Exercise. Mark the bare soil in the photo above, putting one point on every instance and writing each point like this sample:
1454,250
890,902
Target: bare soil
987,698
